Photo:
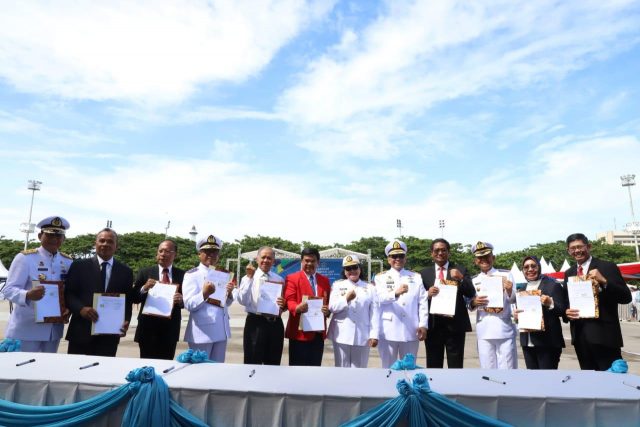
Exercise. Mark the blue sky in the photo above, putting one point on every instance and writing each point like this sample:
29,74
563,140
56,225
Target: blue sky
322,121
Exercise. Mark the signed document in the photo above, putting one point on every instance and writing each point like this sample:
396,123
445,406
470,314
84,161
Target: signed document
160,300
313,319
491,286
219,279
49,309
445,302
530,318
267,300
110,308
581,297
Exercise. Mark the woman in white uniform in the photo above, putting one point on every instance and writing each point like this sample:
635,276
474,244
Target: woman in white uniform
355,321
208,328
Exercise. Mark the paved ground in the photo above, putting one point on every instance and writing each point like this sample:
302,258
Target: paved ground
128,348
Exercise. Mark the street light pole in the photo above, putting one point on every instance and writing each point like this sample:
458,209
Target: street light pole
441,225
399,225
632,227
28,228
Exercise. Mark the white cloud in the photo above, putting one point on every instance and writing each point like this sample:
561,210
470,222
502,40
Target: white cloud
572,185
423,53
146,51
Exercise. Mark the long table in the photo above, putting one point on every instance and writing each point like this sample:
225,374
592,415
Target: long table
249,395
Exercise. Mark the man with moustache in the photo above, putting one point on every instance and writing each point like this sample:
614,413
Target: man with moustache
306,348
44,263
446,332
157,336
597,341
404,308
99,274
263,337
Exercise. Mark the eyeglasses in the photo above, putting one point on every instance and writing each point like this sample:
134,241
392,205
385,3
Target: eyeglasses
397,256
164,251
440,251
573,249
351,267
530,267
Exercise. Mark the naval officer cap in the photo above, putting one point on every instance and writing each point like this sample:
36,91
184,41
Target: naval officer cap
482,249
350,260
395,247
209,242
54,225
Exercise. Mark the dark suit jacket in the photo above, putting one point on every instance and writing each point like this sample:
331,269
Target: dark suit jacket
459,323
552,334
605,330
296,286
170,326
83,280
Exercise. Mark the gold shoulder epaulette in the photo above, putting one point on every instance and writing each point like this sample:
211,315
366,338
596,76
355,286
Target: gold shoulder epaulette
62,254
29,251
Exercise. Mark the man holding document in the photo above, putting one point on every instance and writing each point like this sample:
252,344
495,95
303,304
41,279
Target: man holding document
597,339
307,297
207,293
34,285
157,288
98,294
260,292
494,328
448,321
404,308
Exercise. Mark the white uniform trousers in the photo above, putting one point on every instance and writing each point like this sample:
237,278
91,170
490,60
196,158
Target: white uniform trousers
350,356
215,350
39,346
498,353
390,351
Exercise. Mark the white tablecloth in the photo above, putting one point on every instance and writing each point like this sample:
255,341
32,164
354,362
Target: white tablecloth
248,395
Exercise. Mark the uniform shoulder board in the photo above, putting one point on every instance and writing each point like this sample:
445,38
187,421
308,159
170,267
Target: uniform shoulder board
29,251
473,277
62,254
193,270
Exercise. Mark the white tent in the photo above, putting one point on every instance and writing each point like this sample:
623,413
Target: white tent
543,264
280,254
547,268
565,266
3,271
518,277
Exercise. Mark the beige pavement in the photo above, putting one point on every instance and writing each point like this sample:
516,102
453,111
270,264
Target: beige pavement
128,348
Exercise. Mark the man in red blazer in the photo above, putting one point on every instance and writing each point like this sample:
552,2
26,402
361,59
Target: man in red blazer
306,348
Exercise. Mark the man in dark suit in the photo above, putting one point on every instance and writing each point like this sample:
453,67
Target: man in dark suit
86,277
446,332
306,348
157,336
597,341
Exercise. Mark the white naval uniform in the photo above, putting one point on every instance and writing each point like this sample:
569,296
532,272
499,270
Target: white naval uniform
400,317
496,332
208,328
353,323
34,264
245,293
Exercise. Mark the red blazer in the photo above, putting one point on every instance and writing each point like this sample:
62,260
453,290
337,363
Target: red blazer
296,286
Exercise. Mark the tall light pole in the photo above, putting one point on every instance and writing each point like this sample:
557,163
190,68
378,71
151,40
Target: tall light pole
441,225
28,228
166,229
399,225
632,227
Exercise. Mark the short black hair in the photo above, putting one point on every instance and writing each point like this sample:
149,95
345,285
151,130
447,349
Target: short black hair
310,252
440,240
109,230
173,242
577,236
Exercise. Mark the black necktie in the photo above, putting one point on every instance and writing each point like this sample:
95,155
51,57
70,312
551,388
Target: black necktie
103,276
